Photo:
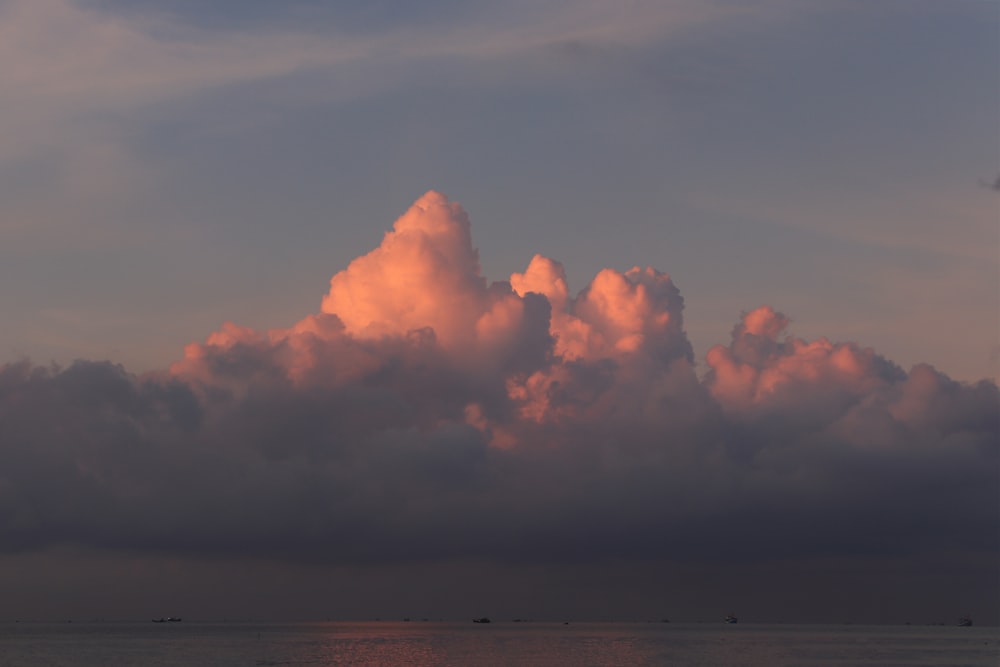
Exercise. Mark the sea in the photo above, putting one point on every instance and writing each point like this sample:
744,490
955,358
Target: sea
523,644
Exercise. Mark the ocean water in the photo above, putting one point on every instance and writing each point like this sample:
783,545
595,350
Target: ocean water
420,644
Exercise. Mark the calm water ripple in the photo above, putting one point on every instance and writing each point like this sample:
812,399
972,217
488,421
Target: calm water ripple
383,644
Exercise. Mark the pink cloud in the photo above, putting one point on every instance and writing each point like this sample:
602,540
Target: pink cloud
425,413
425,274
759,368
528,353
422,289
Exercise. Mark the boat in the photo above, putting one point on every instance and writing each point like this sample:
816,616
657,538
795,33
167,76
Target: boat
169,619
731,619
965,622
484,619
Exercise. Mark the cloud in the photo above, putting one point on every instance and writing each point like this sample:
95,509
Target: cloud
757,370
67,60
90,90
425,413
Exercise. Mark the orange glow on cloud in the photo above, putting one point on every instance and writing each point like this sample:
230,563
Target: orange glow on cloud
424,274
420,298
428,413
423,284
757,367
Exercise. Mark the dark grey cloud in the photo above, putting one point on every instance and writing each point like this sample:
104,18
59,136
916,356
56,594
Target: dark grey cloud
426,417
384,468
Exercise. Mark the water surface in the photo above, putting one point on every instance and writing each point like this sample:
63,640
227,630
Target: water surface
422,644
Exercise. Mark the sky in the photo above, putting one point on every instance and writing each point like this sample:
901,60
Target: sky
567,309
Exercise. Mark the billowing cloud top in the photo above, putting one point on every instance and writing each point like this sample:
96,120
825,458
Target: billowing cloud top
426,413
425,275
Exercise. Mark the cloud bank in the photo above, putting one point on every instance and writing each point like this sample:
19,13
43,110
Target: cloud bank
426,413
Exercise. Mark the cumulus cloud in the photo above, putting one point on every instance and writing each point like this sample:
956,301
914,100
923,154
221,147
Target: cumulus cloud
759,370
425,412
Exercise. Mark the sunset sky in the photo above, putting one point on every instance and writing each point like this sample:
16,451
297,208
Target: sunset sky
566,309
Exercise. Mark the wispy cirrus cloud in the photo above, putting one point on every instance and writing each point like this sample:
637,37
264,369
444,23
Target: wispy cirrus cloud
83,84
65,59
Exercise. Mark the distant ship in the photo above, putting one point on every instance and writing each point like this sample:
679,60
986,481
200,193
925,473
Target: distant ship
169,619
730,618
965,622
484,619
